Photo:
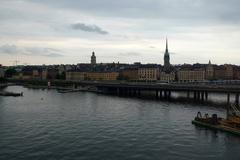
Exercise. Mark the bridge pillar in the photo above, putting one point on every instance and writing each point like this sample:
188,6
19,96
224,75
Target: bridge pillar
228,98
165,94
188,94
202,96
118,91
195,95
139,93
206,95
157,94
237,99
198,95
130,92
134,92
161,94
169,95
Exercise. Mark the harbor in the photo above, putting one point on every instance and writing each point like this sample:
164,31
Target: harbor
85,123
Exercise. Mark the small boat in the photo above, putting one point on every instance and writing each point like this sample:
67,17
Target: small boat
11,94
230,124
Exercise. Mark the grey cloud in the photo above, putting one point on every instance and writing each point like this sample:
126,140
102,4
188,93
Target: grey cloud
31,51
9,49
88,28
130,54
183,10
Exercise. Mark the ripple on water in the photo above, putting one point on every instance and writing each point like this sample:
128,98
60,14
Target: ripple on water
47,125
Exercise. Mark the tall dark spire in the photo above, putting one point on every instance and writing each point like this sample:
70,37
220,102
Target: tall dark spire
166,46
166,58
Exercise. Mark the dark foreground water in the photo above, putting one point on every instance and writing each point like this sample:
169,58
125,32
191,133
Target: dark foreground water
48,125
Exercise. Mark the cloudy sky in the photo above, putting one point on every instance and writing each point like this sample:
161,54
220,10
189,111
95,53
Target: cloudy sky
67,31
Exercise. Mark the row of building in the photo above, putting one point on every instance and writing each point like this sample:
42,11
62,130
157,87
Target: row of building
131,72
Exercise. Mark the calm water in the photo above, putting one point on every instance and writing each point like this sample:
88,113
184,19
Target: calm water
48,125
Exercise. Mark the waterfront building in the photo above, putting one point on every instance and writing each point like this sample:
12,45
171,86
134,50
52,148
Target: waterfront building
190,73
148,73
167,77
106,76
236,73
36,74
44,74
129,74
223,72
93,59
75,76
209,71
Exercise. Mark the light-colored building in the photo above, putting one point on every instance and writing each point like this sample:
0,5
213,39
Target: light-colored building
188,75
148,74
209,71
76,76
44,74
167,77
107,76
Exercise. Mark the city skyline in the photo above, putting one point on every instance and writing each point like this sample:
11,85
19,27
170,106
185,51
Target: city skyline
66,32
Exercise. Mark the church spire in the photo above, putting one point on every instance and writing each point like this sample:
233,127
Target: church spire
166,46
166,58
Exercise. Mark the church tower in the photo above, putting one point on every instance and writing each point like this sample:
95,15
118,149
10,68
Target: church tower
93,59
166,58
209,71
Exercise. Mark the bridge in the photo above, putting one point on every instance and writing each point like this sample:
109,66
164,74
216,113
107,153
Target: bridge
198,92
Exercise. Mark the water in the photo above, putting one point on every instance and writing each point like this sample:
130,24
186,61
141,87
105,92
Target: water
48,125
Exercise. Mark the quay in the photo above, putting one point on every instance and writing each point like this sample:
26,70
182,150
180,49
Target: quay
197,92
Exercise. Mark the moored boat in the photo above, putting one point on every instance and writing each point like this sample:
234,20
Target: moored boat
230,124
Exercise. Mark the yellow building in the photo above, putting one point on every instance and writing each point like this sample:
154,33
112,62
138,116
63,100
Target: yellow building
148,74
36,74
44,74
108,76
76,76
22,76
191,75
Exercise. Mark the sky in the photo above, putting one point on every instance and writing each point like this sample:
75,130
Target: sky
36,32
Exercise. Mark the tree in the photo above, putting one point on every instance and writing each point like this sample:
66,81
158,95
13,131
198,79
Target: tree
10,72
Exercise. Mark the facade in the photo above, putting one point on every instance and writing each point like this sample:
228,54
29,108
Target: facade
148,74
129,74
188,75
223,72
98,76
236,73
36,74
167,77
75,76
93,59
209,71
44,74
